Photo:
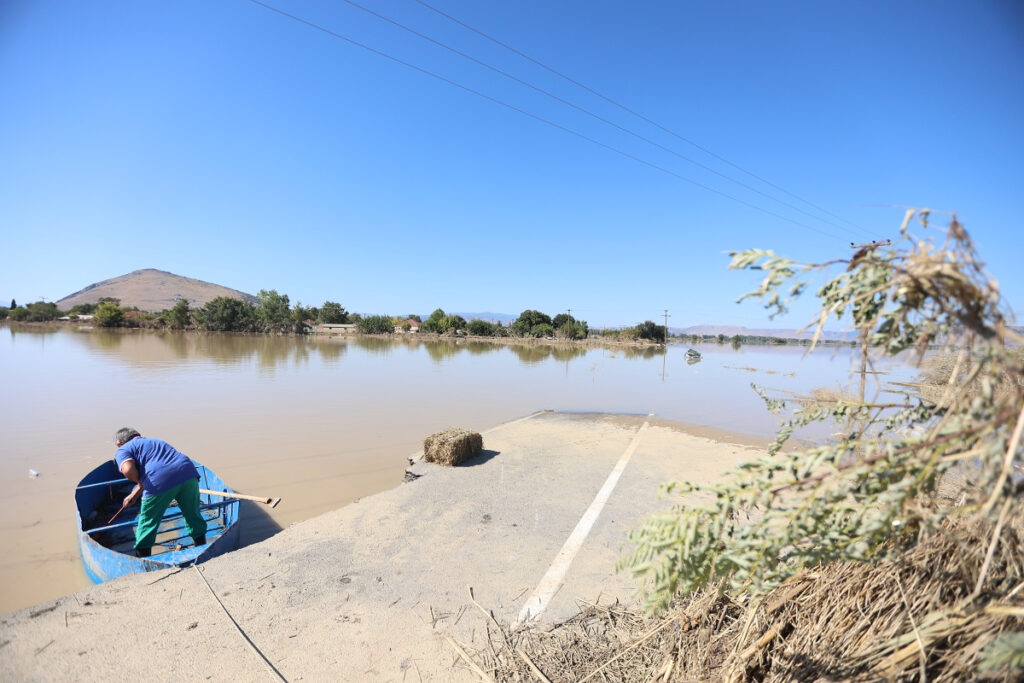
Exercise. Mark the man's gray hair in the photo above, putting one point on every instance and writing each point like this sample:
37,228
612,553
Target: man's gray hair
125,434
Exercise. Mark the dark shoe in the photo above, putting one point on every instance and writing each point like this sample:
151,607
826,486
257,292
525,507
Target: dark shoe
143,552
200,540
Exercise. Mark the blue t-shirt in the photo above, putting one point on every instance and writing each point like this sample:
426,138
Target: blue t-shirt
161,467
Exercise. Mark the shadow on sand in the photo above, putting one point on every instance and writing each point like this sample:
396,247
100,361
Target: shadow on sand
255,524
484,456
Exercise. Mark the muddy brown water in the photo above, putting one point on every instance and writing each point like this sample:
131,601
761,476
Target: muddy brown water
317,422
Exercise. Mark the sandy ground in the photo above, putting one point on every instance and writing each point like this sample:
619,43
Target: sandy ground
373,591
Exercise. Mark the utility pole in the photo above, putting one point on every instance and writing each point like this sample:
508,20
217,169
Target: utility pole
666,325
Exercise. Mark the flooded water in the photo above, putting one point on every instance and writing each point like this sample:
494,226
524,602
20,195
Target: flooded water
318,422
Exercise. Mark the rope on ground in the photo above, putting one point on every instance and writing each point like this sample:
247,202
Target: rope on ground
273,669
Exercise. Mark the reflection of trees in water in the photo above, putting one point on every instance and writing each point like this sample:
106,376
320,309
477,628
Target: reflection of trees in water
274,351
530,354
479,348
440,350
381,347
178,344
331,351
106,340
567,352
645,352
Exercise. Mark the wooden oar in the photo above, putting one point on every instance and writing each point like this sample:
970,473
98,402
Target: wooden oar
272,502
110,521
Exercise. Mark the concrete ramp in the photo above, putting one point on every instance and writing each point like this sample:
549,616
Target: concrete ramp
369,591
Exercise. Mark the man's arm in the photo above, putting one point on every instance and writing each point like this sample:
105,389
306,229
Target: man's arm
130,470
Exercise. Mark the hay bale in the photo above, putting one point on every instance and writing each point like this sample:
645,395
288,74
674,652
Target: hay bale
452,446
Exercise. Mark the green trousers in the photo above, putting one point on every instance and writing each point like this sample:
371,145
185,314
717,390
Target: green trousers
153,507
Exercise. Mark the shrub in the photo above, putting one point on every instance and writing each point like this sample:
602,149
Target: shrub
650,330
376,324
866,496
108,314
332,313
480,328
227,314
523,325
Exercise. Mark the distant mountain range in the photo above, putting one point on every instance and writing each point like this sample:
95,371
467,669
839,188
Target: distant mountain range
151,290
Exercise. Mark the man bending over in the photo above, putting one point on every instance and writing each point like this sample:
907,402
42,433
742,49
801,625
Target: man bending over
161,474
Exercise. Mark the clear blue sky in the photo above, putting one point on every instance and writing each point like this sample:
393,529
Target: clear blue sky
222,141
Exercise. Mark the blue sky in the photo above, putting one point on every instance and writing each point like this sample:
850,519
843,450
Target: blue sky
226,142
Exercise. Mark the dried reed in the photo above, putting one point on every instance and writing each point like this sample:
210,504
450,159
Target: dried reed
928,614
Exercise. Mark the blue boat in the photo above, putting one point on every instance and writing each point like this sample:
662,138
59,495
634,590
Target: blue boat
108,549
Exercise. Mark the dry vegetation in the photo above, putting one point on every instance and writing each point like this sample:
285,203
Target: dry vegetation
935,607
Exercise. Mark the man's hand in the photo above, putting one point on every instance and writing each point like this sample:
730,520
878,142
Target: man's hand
133,497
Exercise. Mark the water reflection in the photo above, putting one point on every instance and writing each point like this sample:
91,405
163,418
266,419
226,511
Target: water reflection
530,354
379,346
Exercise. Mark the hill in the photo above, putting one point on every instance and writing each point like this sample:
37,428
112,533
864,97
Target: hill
151,290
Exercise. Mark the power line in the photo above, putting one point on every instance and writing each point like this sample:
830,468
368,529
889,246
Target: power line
635,113
584,110
536,117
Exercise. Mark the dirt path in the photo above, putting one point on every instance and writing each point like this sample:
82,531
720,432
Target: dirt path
374,590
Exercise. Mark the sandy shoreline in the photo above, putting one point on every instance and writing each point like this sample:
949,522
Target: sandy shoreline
374,590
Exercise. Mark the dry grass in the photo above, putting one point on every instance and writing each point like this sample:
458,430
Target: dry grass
926,615
452,446
937,370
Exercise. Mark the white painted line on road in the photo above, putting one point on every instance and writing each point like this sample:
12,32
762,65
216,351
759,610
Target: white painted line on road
555,575
516,421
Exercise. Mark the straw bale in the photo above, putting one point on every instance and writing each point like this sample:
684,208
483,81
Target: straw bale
841,621
452,446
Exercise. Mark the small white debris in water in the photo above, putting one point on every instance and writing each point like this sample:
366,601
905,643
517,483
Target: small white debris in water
33,473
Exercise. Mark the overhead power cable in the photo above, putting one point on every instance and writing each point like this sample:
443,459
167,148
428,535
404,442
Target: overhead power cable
587,112
531,115
635,113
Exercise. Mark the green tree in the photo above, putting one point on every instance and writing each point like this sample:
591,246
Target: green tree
227,314
529,319
300,315
413,316
867,495
433,323
542,330
273,311
4,313
332,313
82,309
178,317
452,323
19,314
108,314
480,328
376,324
650,330
42,311
14,304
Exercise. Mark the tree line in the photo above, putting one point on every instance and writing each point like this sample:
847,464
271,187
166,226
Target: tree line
274,313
